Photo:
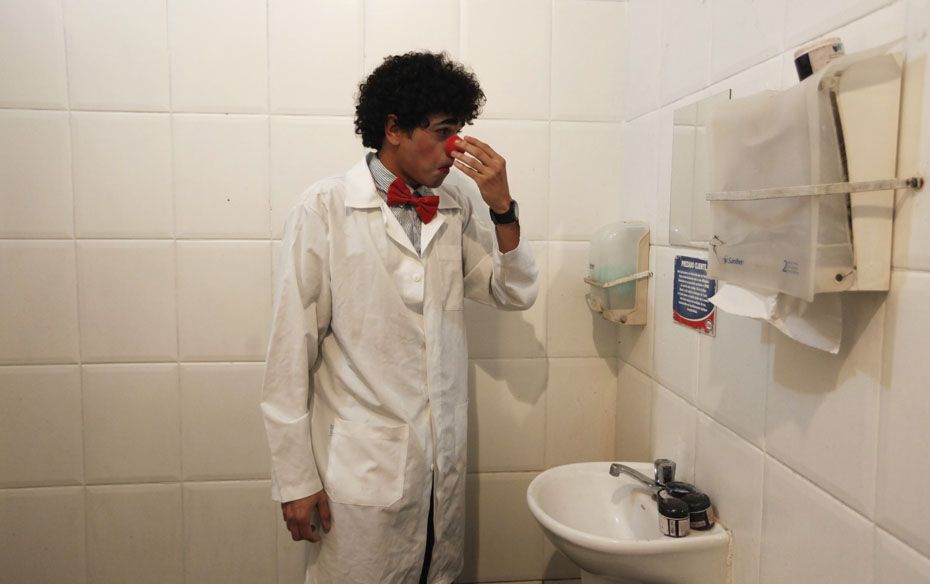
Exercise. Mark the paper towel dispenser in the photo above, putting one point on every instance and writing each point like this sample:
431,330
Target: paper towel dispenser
802,181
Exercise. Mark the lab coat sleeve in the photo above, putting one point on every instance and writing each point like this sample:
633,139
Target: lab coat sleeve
506,280
300,318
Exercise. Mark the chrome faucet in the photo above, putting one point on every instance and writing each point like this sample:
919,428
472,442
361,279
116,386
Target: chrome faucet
664,473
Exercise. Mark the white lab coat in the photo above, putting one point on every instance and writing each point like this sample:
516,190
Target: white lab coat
365,390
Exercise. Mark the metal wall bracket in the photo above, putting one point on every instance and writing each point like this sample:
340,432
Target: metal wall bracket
841,188
618,281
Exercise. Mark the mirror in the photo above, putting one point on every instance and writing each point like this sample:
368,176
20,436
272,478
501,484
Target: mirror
689,216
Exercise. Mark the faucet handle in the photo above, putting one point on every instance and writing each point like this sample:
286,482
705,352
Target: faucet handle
665,470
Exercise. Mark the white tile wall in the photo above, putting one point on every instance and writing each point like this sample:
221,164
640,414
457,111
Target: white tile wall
676,346
292,555
299,32
633,420
32,36
135,534
122,175
804,21
38,308
572,329
35,174
493,334
40,426
142,443
500,520
581,202
241,508
685,48
237,425
235,328
642,43
822,409
219,56
31,551
221,176
905,406
896,562
733,375
385,18
808,536
119,62
126,301
579,392
507,415
304,150
744,33
587,60
730,471
508,45
639,163
674,431
663,210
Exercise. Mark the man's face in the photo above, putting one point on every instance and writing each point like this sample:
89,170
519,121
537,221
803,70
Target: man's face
422,157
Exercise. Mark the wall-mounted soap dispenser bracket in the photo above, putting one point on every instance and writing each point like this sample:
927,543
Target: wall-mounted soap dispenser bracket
620,248
857,120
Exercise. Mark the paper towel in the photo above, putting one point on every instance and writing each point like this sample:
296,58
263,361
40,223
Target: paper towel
818,324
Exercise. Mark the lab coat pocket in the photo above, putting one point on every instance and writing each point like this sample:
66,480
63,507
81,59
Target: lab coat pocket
450,261
366,463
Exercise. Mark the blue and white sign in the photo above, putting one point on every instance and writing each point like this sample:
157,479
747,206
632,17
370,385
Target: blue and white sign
692,288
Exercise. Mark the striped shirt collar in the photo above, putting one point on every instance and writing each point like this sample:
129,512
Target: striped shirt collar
384,177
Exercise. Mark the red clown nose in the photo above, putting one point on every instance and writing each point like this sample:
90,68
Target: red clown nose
451,147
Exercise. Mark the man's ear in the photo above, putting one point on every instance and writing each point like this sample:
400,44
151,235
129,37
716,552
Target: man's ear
392,132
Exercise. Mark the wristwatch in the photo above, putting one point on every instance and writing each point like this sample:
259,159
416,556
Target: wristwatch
511,215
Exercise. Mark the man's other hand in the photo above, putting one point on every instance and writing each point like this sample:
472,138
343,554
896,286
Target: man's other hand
298,515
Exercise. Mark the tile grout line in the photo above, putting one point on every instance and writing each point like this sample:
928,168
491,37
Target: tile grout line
77,289
177,304
270,229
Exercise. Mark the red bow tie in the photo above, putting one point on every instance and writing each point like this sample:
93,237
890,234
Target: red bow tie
399,194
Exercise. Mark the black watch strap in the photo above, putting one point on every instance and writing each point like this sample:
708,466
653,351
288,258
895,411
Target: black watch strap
508,216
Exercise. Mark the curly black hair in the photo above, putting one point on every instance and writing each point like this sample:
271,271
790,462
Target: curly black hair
414,86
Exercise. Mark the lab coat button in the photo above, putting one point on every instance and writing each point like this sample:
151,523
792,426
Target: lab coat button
417,278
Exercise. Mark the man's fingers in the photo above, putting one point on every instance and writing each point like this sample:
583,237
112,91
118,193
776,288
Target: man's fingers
481,146
478,155
308,532
323,510
294,529
466,169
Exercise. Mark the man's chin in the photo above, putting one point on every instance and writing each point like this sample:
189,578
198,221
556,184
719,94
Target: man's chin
438,182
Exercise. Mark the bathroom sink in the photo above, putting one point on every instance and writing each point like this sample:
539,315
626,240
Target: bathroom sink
609,527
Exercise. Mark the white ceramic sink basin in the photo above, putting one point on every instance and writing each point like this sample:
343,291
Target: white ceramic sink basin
609,527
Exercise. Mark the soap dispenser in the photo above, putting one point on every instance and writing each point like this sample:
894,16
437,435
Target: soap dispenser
618,272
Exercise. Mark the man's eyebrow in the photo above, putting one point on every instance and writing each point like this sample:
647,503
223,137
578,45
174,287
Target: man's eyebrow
448,121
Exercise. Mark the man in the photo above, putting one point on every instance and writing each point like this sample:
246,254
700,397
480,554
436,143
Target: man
365,394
